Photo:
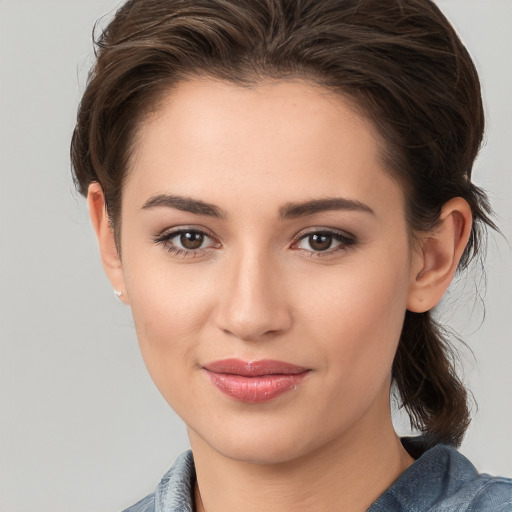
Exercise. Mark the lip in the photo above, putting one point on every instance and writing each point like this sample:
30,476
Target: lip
254,381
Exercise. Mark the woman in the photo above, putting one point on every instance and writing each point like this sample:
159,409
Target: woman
282,192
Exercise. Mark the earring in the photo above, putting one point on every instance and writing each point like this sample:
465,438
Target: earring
118,294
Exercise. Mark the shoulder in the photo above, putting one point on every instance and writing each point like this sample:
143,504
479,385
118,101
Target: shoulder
494,494
174,492
467,490
443,480
147,504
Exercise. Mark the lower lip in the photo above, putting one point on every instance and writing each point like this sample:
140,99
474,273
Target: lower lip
257,389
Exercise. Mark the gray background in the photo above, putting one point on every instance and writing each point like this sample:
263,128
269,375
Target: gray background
81,426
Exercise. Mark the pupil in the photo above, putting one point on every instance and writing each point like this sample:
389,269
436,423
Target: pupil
320,242
191,240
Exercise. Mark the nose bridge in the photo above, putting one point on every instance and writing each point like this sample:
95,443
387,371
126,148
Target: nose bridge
254,301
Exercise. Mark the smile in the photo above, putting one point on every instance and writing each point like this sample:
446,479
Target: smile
256,381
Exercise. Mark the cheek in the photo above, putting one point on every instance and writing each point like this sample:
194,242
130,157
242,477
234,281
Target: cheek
170,307
357,312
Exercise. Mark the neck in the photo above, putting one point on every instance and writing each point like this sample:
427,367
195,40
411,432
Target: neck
348,473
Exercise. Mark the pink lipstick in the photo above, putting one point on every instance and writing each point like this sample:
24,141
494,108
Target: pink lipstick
255,381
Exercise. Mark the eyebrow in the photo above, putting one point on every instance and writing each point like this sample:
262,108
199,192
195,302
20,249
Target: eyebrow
294,210
185,204
288,211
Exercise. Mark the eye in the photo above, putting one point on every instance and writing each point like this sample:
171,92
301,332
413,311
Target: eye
186,241
189,240
326,242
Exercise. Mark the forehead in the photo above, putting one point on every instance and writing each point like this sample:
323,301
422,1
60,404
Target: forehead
208,137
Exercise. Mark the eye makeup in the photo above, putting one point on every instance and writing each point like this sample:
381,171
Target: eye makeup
322,242
186,241
315,242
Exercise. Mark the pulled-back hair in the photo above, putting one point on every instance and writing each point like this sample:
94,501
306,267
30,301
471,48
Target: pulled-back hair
399,61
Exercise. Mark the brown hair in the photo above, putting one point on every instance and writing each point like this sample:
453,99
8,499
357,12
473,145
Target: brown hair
399,60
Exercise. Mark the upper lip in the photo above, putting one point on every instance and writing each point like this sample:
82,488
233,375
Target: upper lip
254,368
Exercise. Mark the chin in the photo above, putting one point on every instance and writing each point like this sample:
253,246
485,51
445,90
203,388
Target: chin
260,453
261,443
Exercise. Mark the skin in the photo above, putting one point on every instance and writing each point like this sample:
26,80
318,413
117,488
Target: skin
258,289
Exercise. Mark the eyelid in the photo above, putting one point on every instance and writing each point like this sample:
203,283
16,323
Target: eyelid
347,240
319,229
169,232
165,236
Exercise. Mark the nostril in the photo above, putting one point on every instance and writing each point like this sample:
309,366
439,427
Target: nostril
254,325
251,304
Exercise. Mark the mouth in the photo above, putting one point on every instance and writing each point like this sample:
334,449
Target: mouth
254,381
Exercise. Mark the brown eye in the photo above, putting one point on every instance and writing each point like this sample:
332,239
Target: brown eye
328,242
187,242
191,240
320,241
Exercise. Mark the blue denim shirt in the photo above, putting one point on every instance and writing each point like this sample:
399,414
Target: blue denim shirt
440,480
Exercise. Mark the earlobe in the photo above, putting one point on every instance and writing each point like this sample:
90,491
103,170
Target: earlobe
106,240
436,260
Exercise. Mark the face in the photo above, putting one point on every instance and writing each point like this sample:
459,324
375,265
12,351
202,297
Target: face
266,259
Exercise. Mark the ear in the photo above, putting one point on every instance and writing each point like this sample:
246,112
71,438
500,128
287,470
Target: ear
106,241
437,257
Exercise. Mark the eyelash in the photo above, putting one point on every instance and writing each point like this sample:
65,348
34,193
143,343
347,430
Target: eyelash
345,240
165,239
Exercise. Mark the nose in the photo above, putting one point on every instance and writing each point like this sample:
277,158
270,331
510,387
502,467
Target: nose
253,302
